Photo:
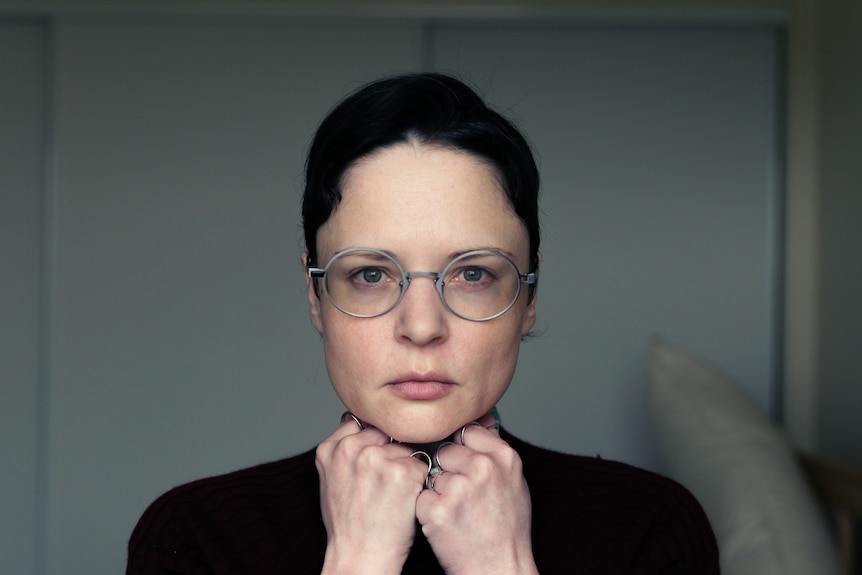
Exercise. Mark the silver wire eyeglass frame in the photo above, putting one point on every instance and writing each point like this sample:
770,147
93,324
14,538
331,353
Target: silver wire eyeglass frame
524,279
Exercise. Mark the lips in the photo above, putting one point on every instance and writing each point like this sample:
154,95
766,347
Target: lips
424,387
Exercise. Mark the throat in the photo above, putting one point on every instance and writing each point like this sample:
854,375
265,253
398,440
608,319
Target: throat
426,447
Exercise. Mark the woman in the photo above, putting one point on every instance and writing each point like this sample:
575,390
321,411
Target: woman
421,225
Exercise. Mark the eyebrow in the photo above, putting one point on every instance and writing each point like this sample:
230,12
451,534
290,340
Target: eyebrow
506,253
389,253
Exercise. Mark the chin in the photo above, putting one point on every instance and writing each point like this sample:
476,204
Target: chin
418,439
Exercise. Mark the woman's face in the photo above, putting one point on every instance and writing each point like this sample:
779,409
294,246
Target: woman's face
419,372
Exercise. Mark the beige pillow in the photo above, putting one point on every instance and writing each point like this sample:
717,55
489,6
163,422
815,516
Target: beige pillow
723,447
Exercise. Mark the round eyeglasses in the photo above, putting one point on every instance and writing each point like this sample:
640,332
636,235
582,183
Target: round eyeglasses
477,286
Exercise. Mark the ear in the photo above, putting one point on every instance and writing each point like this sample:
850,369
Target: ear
311,293
530,313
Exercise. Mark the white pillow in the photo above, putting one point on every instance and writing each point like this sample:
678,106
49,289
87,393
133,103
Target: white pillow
723,447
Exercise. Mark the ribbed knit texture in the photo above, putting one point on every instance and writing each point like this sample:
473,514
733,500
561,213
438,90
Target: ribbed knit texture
590,516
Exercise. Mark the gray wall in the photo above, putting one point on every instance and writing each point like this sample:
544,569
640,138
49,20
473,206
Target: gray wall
175,338
21,210
841,234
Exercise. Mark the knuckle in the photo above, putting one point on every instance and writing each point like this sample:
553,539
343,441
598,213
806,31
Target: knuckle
323,455
438,515
403,474
510,459
369,456
483,466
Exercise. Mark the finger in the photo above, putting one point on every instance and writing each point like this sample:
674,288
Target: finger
347,416
349,429
394,461
461,435
440,448
431,478
490,421
362,455
453,458
425,458
478,438
386,454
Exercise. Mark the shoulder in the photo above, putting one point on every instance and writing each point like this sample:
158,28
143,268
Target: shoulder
199,522
618,512
214,496
581,476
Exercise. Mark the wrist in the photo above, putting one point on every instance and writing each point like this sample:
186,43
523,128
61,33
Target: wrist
516,562
360,562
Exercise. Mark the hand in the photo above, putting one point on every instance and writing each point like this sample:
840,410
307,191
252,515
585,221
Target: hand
368,491
477,517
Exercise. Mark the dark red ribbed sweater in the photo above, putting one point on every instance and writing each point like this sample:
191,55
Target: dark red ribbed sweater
590,516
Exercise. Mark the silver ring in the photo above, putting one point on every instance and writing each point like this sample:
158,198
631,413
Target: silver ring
464,429
432,477
423,454
347,414
437,453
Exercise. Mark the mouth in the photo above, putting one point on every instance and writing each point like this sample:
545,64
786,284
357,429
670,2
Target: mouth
421,387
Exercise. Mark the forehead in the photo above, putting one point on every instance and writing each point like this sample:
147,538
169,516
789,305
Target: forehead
413,196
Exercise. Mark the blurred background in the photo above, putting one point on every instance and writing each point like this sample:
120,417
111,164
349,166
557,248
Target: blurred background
701,181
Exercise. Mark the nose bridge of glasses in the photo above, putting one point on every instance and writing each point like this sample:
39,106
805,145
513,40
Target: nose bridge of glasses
435,276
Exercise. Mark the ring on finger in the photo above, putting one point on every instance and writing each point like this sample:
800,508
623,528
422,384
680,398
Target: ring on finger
437,453
464,429
431,479
419,453
347,416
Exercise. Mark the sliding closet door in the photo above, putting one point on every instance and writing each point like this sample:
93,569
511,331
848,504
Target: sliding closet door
182,344
659,150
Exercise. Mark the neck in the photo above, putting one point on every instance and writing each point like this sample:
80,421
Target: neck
427,447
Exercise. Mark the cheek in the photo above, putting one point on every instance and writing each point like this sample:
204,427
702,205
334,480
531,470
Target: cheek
345,366
351,347
493,352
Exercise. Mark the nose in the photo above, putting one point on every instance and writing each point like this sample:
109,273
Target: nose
422,319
